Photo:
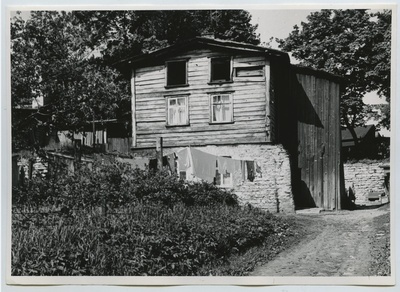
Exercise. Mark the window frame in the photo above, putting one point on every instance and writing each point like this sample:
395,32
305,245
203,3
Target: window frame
250,69
211,104
221,178
167,107
210,70
186,73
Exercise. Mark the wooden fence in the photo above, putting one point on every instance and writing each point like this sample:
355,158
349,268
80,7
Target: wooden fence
119,145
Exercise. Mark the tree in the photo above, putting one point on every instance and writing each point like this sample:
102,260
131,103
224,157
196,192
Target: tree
49,59
67,58
119,34
354,44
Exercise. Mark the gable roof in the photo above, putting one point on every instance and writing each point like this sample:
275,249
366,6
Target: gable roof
361,132
197,42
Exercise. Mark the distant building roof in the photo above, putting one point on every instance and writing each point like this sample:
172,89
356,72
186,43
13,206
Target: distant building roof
361,132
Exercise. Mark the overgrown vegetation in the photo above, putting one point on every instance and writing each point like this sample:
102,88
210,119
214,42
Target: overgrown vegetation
111,219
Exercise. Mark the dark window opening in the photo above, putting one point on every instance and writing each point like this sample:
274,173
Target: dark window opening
176,73
220,69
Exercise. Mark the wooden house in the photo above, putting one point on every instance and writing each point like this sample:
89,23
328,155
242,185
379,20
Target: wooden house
247,103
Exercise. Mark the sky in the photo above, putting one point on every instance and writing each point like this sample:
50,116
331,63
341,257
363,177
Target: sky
277,23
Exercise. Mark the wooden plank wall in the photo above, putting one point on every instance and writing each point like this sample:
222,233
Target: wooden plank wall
249,97
319,139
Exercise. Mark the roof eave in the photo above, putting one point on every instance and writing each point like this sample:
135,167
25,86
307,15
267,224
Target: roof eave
230,45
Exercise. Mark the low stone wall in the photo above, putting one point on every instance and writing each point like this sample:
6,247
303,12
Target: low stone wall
364,177
271,189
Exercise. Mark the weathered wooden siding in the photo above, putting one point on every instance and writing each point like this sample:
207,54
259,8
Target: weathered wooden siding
319,139
250,104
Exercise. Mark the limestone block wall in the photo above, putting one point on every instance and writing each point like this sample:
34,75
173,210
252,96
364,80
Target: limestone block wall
364,177
271,189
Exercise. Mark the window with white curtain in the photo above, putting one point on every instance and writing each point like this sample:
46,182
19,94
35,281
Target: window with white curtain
221,108
177,111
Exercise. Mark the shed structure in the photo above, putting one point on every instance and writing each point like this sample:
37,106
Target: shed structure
319,138
244,102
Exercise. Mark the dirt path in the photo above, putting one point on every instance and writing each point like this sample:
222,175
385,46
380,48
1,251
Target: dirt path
338,245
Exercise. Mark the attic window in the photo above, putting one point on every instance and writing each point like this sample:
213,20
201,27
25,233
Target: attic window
220,70
251,71
176,73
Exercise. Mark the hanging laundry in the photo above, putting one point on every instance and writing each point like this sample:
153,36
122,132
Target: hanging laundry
238,169
183,159
250,170
225,164
258,169
203,165
243,169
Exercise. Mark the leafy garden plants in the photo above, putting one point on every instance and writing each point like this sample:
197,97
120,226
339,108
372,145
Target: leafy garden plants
111,219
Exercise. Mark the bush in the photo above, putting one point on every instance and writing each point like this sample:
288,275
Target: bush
155,224
116,184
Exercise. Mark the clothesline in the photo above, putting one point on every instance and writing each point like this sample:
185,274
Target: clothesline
206,166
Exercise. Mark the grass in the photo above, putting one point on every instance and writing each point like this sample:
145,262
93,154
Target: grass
380,247
114,220
245,263
147,240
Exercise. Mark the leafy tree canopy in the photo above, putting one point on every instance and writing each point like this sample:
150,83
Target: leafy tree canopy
49,60
118,34
352,43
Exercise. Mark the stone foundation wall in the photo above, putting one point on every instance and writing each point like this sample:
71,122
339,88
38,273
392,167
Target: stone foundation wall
364,177
271,189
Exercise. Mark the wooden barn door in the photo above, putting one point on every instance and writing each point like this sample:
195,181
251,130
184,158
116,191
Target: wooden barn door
319,142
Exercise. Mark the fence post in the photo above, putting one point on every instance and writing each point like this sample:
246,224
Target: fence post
30,168
77,148
94,135
159,153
